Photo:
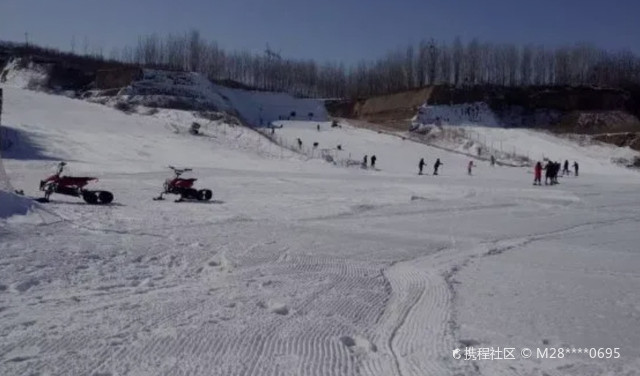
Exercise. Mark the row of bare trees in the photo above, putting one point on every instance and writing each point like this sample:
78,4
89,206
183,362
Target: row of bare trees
429,63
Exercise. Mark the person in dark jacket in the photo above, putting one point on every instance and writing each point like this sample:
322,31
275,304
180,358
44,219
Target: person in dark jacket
565,170
364,162
548,173
421,166
373,161
436,166
556,170
575,167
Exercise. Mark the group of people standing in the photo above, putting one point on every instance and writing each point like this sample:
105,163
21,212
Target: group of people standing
436,166
373,161
552,169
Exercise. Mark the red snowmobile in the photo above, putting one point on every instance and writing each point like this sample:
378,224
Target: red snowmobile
184,187
73,186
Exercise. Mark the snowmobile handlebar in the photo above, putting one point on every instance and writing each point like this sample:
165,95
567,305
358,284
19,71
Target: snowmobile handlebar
61,167
179,171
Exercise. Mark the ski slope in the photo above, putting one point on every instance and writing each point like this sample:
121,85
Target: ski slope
394,154
300,267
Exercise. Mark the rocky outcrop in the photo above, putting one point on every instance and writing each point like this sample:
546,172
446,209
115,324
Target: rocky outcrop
117,77
630,139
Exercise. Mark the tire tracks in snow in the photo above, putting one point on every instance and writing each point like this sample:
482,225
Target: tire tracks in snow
496,248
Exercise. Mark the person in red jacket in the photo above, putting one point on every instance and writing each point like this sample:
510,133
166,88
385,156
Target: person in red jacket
538,174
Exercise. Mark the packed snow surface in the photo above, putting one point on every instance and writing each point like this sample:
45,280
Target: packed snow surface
300,267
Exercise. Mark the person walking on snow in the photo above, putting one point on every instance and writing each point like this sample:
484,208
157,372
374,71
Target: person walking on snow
576,167
364,162
493,161
470,167
421,166
436,166
565,170
373,161
318,127
537,173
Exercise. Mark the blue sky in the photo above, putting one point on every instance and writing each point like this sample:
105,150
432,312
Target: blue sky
326,30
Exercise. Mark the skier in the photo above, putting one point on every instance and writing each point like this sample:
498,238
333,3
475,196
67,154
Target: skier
565,170
554,172
421,165
470,167
318,127
493,161
576,167
537,173
373,161
299,143
548,173
436,166
364,162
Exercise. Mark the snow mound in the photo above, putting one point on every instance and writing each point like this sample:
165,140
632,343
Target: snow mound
23,74
174,89
478,113
194,91
12,204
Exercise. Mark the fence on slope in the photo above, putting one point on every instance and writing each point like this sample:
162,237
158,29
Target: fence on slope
5,144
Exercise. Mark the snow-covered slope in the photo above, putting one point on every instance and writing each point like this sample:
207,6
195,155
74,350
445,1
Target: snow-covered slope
593,157
394,155
256,108
299,267
475,130
21,74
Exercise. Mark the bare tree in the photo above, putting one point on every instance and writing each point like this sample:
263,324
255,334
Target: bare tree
473,62
458,57
526,65
431,64
195,50
432,61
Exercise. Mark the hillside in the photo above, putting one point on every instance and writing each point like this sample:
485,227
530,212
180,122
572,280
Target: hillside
580,110
128,87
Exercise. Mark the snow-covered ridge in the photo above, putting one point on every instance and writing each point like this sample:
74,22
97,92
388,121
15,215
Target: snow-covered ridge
24,74
182,90
255,108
